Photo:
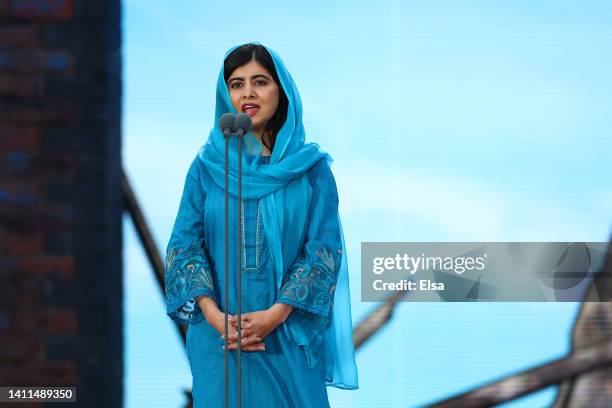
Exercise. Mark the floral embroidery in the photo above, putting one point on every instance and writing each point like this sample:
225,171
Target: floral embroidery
311,282
187,276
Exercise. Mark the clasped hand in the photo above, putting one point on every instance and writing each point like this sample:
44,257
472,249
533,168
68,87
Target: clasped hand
255,326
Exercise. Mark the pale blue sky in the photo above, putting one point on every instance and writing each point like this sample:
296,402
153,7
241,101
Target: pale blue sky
447,120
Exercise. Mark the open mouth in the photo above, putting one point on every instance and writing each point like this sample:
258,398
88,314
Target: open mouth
250,109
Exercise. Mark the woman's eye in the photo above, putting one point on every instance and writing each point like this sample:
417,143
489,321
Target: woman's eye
260,83
235,85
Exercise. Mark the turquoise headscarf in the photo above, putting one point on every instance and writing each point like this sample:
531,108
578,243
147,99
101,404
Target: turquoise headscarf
283,187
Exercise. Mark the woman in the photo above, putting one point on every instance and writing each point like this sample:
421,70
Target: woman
296,321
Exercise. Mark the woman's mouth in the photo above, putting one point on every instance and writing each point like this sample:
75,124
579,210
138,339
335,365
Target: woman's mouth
250,109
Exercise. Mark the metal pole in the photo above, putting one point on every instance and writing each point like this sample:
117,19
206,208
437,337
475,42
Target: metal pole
226,272
239,269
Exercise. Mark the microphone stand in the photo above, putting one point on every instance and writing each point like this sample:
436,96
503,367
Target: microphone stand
242,124
226,135
239,206
239,134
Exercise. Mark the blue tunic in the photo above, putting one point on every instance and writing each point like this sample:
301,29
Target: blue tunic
282,375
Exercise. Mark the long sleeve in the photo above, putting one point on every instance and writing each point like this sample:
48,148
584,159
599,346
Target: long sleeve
309,283
187,272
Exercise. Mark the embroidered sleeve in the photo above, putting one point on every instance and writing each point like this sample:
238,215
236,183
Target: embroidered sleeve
310,282
187,270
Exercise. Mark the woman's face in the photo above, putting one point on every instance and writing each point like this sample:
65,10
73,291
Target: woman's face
253,91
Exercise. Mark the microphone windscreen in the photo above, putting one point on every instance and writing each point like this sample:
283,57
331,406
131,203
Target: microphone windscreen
243,124
226,123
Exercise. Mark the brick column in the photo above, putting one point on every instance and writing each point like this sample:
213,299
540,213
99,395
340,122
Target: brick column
61,293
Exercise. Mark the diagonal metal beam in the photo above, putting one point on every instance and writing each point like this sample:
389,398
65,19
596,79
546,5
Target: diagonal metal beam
148,243
376,320
509,388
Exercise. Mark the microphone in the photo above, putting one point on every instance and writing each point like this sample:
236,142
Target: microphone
226,123
243,124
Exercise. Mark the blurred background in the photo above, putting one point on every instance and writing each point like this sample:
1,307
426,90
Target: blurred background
447,121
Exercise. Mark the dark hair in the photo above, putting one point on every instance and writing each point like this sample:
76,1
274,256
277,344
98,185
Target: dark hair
243,55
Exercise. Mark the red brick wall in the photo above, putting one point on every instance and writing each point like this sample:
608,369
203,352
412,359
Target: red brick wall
60,197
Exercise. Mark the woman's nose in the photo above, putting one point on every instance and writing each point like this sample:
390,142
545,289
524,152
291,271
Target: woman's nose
249,92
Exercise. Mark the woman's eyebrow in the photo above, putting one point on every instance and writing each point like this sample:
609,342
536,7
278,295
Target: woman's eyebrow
253,77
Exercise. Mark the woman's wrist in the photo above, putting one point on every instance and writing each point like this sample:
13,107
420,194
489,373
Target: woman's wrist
207,305
281,311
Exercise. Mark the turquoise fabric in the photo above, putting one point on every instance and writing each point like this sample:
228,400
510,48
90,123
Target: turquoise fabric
292,252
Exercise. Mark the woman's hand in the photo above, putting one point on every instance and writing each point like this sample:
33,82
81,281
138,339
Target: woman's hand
216,319
257,325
